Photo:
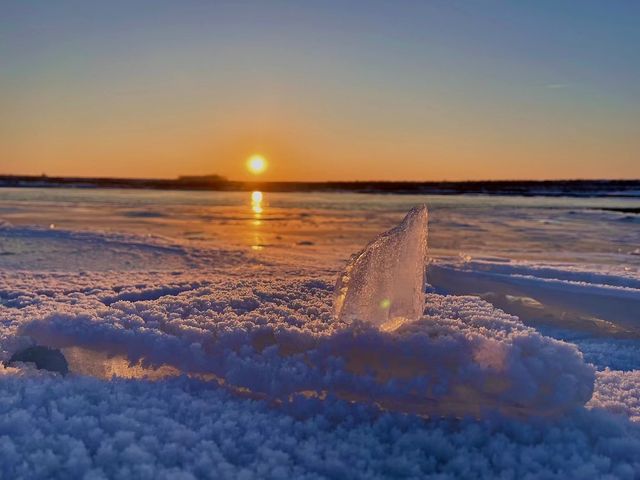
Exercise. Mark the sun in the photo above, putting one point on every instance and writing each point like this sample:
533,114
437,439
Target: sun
257,164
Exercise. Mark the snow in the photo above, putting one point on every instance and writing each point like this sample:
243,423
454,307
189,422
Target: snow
618,392
462,357
86,428
190,360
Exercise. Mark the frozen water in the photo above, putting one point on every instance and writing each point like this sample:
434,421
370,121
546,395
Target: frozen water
289,390
384,284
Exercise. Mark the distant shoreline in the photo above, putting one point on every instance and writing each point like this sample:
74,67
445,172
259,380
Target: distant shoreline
547,188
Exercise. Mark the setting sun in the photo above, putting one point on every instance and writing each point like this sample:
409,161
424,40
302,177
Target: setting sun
256,164
355,239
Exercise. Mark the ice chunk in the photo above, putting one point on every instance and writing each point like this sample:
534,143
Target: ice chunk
384,284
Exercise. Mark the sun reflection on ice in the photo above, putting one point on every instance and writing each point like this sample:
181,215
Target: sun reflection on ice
257,209
256,202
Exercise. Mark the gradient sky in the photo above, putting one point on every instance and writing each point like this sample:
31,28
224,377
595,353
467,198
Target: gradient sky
404,90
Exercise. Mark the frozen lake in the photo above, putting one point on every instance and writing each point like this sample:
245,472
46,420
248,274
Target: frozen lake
207,317
594,231
516,252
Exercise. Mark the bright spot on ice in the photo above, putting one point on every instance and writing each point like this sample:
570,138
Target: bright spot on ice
257,209
256,203
392,268
464,257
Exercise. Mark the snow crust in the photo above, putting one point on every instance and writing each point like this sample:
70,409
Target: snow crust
87,428
254,378
463,357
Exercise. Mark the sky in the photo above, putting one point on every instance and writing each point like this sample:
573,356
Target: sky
428,90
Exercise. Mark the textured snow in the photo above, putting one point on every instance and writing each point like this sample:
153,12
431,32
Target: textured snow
251,376
86,428
618,392
463,357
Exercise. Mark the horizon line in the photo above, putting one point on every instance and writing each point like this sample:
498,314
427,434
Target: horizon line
222,179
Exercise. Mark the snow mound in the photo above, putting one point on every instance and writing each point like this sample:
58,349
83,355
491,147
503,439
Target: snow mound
279,341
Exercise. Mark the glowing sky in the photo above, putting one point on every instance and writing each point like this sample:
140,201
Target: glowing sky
405,90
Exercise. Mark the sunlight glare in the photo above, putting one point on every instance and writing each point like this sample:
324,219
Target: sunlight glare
256,164
256,203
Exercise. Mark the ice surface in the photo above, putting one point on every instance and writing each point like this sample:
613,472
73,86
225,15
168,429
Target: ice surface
593,299
384,284
319,397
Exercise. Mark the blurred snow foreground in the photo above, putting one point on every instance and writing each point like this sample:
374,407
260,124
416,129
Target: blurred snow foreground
384,284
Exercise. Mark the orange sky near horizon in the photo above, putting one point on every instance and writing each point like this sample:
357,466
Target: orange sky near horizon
429,92
310,148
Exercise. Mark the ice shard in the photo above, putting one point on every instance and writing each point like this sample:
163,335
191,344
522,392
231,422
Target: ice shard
384,284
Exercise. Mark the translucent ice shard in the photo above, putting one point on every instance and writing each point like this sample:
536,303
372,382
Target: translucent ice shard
384,284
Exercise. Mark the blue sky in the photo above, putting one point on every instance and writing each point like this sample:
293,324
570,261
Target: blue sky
325,90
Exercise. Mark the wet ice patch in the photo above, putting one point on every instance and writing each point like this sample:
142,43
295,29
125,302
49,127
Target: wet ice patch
37,249
587,298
